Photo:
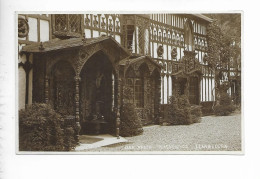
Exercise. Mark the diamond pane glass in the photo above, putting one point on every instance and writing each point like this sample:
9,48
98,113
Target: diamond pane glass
61,22
74,23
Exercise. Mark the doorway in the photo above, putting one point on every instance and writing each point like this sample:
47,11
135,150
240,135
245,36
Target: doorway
194,90
96,97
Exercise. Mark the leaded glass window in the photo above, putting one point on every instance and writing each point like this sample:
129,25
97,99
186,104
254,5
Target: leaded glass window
130,37
67,25
142,34
74,23
61,22
138,92
136,86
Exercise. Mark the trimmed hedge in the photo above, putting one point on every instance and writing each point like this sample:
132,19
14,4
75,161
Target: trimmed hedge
225,106
180,112
196,113
42,129
130,124
207,108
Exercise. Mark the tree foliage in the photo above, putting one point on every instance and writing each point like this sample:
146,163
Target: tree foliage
224,41
230,24
224,52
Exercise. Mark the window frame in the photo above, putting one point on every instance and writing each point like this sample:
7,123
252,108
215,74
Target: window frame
67,33
137,97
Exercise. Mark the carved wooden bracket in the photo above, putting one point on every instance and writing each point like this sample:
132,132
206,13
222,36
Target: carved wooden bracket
27,66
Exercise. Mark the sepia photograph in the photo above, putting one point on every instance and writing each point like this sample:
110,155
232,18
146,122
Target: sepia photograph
129,83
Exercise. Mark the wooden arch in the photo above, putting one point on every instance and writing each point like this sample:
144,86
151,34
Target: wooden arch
139,62
53,60
88,52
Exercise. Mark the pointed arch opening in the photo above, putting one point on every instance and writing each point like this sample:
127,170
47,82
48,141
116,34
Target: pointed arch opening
97,93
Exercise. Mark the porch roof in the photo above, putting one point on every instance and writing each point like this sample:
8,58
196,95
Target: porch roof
58,44
182,73
133,60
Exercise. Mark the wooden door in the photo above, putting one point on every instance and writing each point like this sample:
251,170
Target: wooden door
194,90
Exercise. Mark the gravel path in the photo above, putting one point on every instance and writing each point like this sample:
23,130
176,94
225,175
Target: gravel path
213,133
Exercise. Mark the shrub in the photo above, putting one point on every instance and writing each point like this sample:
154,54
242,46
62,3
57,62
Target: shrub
180,111
130,124
41,129
206,108
69,138
225,106
196,113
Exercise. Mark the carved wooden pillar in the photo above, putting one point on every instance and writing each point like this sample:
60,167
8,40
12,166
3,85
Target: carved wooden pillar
167,88
117,83
163,88
113,92
117,123
78,127
159,117
46,91
119,96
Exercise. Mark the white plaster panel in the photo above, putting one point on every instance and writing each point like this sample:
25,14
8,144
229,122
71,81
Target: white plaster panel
210,89
213,87
170,86
197,55
21,87
201,92
164,51
165,90
87,33
137,40
151,49
203,89
95,33
169,53
33,36
133,46
182,53
162,90
202,55
155,50
118,38
44,30
206,89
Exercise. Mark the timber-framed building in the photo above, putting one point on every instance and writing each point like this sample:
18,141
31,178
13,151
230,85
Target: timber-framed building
80,63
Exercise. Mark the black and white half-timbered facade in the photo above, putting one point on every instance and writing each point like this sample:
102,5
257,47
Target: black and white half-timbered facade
80,63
